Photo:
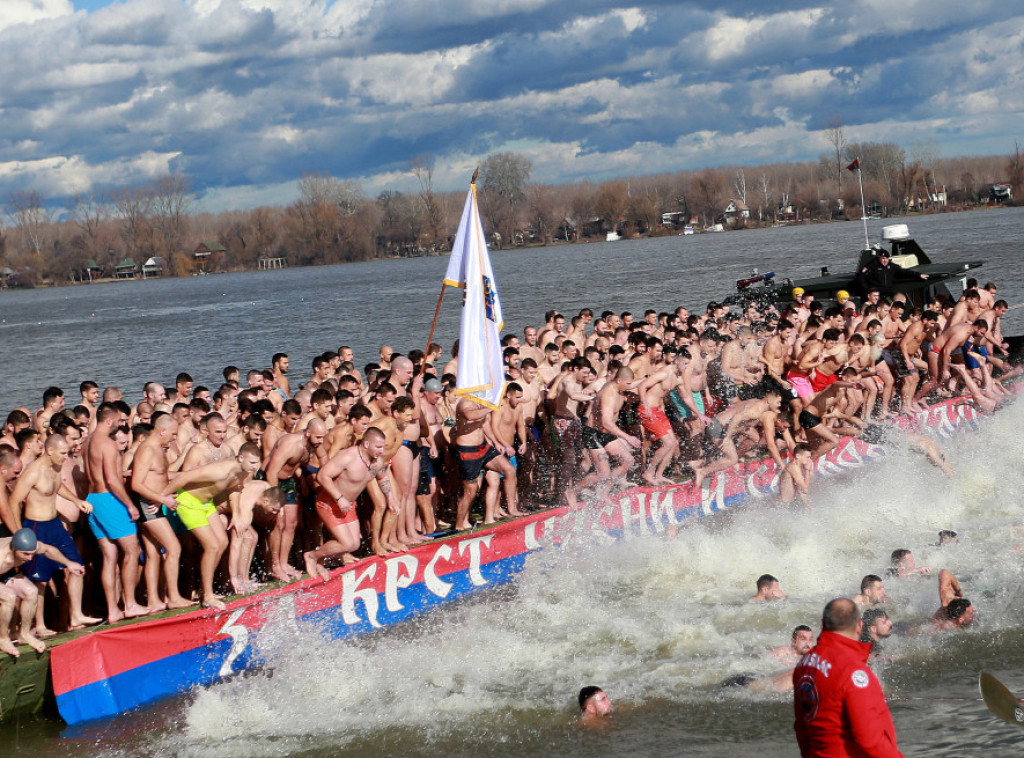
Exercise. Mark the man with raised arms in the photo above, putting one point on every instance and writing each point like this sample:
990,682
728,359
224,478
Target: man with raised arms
149,479
196,491
113,516
283,470
35,500
18,592
955,611
653,391
339,483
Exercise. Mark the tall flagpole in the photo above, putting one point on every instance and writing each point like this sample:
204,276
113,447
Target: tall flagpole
863,208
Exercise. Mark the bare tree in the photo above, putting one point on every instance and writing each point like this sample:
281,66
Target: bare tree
766,195
1015,172
171,204
835,135
503,179
432,204
134,206
740,186
31,217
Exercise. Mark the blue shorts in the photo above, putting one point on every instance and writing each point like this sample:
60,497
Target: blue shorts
51,533
109,518
969,360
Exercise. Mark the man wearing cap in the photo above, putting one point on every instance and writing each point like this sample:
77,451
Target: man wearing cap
881,273
16,588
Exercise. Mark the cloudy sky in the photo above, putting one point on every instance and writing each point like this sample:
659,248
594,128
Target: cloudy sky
243,96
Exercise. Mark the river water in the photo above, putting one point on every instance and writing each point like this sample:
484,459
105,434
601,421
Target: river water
659,624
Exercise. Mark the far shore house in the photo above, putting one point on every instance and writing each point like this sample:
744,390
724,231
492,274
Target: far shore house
92,270
126,269
153,267
201,255
735,211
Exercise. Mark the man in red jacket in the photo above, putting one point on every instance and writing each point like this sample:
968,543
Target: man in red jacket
839,706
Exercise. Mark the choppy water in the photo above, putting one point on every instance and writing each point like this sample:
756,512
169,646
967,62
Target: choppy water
657,623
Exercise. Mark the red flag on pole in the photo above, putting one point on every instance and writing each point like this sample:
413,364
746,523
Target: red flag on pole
855,166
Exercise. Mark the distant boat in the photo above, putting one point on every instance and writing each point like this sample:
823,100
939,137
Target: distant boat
612,237
715,228
687,230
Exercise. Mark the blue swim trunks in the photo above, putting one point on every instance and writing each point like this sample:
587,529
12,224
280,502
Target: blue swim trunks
969,360
109,518
51,533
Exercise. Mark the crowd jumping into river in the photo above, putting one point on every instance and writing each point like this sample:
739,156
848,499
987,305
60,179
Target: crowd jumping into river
183,493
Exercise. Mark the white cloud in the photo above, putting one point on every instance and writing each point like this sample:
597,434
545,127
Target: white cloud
28,11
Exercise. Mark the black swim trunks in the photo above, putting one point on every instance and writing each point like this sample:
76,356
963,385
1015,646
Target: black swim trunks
595,439
808,420
473,458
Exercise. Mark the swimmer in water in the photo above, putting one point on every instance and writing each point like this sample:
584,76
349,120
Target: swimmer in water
594,704
795,480
872,592
902,565
800,645
768,589
955,611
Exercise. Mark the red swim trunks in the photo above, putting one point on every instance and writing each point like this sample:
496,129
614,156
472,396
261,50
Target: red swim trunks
655,421
821,381
330,512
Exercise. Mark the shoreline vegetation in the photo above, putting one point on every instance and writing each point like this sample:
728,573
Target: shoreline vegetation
159,230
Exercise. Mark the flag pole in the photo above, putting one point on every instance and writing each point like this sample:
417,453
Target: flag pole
863,208
437,310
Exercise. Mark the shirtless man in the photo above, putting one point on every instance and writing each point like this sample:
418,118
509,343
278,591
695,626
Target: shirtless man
903,564
90,399
768,590
16,589
795,480
34,500
509,427
291,414
814,417
604,439
283,470
529,348
908,361
10,470
210,448
339,483
53,402
950,340
736,359
113,516
196,491
565,417
149,479
727,423
431,456
551,366
477,449
349,433
872,592
955,611
321,406
653,391
800,645
252,430
279,364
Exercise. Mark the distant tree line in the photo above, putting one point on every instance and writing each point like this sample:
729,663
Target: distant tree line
333,221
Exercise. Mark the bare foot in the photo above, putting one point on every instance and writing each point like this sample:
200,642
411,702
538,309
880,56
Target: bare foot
134,611
156,608
114,616
33,642
180,603
280,574
213,602
443,525
379,549
293,573
463,527
79,622
698,478
43,633
6,646
314,567
649,479
347,559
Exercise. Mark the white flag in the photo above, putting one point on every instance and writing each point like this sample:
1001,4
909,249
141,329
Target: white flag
481,374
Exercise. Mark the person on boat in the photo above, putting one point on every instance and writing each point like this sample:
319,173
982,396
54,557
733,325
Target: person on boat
10,469
571,391
34,502
17,590
817,412
283,470
339,484
653,391
838,704
113,515
604,439
727,424
795,479
478,450
246,515
872,592
882,274
148,480
196,492
594,704
509,428
768,590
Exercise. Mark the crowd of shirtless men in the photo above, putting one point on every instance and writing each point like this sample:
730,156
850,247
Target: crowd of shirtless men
303,477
